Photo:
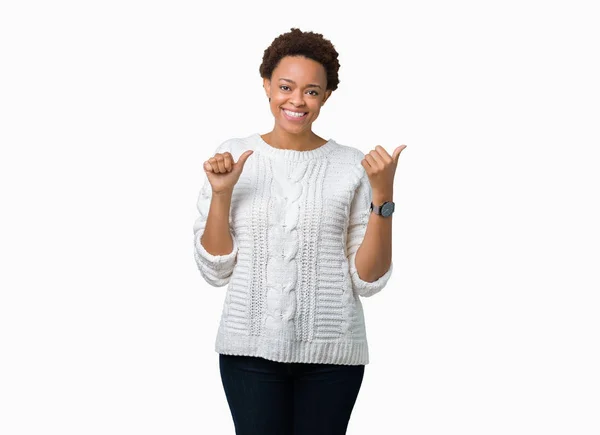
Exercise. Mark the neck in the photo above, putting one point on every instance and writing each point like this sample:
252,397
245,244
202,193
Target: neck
298,142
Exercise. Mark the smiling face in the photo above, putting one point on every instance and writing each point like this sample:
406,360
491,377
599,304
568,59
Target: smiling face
298,84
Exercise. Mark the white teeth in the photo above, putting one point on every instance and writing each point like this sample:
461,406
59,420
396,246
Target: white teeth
297,115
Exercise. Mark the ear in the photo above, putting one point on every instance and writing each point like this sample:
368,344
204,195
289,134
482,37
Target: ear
267,86
327,95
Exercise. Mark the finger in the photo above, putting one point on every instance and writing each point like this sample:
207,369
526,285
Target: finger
372,163
228,161
207,166
378,162
242,160
220,163
214,164
365,164
385,157
397,152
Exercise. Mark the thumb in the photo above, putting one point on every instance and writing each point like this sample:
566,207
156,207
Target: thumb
397,152
242,160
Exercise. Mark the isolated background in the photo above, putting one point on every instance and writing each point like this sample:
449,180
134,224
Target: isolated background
107,112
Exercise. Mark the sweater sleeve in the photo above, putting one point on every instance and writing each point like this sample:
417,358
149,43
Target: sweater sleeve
357,227
215,269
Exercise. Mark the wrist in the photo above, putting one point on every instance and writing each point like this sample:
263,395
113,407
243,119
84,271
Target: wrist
379,197
222,194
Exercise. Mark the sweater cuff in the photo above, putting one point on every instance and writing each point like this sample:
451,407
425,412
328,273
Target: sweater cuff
217,266
366,288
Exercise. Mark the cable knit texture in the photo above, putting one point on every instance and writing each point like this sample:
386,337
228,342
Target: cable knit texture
297,219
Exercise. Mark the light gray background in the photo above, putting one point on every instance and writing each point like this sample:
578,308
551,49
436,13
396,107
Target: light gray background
108,109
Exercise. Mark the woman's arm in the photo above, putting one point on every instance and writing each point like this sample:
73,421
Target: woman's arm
215,245
370,235
374,256
217,239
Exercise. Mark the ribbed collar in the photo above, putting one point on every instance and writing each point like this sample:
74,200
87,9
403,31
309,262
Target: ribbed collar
278,153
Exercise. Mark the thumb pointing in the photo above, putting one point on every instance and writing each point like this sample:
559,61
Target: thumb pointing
397,152
242,160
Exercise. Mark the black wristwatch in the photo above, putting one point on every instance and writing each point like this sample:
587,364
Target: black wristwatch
386,209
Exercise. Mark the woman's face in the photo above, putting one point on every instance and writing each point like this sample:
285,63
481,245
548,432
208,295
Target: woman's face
298,84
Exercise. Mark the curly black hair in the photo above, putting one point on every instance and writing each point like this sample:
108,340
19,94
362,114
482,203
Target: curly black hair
308,44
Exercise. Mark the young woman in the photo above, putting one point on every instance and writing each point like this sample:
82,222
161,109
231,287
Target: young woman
299,228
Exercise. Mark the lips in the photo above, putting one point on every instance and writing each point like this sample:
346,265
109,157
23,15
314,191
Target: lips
294,118
295,111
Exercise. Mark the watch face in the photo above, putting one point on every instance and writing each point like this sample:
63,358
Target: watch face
387,209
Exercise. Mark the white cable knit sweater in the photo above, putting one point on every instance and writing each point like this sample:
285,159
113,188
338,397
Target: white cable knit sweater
297,219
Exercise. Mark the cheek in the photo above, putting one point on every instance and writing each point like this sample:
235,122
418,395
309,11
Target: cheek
277,101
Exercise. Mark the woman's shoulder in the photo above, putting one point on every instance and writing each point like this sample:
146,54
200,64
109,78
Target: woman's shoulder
345,164
237,145
347,155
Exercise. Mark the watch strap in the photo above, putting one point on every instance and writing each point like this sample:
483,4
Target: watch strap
377,209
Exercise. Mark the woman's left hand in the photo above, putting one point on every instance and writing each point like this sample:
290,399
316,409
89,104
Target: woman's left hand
381,169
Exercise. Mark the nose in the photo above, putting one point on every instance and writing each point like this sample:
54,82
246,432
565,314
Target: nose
297,99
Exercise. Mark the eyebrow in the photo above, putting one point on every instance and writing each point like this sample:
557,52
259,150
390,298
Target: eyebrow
311,85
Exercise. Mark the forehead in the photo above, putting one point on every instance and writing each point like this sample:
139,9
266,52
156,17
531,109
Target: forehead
300,68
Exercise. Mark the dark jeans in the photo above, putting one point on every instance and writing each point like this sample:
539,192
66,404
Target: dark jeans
274,398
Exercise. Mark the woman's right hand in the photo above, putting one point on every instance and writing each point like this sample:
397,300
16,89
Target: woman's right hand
223,173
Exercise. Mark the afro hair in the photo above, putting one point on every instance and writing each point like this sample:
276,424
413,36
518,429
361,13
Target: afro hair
308,44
